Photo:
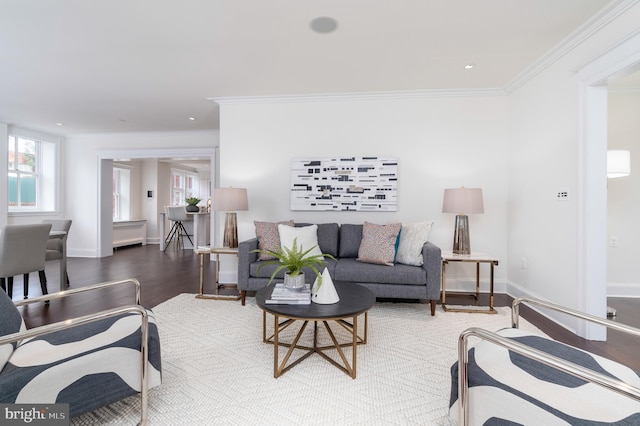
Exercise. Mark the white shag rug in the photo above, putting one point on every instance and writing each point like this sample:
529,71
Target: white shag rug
217,370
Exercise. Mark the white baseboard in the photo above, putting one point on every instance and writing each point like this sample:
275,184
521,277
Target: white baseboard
631,290
82,253
570,323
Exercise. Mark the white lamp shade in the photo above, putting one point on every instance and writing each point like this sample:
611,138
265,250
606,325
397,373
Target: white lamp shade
618,163
230,199
463,201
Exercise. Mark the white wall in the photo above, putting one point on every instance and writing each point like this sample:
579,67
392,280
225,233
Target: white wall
525,148
553,146
441,142
543,152
149,206
623,268
81,159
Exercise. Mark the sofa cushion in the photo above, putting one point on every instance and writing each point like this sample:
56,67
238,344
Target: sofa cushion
412,238
379,243
305,238
328,234
10,322
359,272
268,237
350,238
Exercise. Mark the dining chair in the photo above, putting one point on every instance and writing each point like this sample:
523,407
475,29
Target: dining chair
55,247
22,251
178,215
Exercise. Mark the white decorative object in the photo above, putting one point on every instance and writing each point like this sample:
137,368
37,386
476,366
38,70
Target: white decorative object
326,293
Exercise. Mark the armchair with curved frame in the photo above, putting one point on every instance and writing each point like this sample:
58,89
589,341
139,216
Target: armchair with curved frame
516,376
87,362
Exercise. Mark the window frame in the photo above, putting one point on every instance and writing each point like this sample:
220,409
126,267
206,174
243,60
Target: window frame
53,206
122,196
185,192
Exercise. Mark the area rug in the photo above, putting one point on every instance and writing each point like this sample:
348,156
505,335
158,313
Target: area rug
217,370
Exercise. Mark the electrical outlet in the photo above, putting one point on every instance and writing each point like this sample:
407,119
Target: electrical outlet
613,241
562,195
523,262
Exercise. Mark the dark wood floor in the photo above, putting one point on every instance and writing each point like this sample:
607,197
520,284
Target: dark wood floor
164,275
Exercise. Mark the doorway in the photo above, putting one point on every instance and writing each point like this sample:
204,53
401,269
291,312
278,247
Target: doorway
592,189
105,173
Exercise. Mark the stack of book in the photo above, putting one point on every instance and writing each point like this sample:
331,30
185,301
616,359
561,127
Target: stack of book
282,295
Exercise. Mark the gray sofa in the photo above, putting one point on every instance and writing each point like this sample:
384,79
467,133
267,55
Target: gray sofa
343,241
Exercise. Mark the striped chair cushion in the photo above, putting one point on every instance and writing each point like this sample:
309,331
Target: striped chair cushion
508,388
88,366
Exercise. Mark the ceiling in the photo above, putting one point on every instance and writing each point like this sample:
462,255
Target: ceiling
149,65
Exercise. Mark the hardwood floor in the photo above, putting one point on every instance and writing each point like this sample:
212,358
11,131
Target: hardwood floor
164,275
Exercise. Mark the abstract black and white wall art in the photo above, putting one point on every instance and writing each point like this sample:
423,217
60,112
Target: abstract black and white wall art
344,184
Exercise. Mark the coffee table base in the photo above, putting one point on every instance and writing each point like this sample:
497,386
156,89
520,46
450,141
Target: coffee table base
280,368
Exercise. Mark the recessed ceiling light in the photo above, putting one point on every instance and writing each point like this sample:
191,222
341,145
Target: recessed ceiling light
59,124
323,24
469,66
192,118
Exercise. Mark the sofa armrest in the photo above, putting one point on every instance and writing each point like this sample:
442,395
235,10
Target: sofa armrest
432,257
245,259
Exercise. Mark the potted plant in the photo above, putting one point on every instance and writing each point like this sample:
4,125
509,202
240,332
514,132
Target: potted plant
192,204
293,260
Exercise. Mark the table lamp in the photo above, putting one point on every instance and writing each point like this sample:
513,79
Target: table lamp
230,200
462,201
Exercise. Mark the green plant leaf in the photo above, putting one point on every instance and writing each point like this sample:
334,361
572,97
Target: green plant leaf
294,259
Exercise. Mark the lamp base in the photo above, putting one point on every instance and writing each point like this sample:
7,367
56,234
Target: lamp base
461,243
230,230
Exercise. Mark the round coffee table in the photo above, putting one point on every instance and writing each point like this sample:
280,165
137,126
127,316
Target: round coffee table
355,300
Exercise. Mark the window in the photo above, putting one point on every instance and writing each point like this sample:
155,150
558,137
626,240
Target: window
121,194
32,177
183,185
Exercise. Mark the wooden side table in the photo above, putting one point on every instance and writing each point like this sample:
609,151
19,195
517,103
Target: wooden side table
476,258
217,251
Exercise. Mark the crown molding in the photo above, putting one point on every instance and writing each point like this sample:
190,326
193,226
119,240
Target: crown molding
608,14
622,91
351,96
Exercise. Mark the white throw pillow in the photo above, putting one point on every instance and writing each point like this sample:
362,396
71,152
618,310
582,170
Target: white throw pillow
412,238
307,237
